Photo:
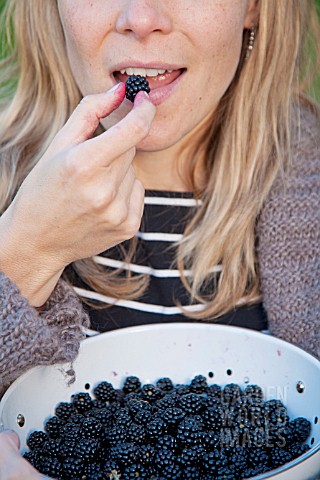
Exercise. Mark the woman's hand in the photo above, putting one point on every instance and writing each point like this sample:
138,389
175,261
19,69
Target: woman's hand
12,465
80,199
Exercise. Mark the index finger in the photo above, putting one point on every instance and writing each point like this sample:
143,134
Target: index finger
125,135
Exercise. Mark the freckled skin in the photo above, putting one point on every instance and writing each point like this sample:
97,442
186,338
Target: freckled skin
205,38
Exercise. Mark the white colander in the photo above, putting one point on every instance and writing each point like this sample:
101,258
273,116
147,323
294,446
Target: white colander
180,351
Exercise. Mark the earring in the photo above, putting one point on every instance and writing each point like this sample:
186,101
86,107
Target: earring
251,41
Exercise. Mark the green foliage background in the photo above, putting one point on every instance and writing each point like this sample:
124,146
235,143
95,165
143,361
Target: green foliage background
315,91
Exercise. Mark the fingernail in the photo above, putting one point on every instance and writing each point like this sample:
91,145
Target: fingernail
115,87
141,97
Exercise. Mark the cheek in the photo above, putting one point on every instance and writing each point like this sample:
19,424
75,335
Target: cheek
222,48
82,37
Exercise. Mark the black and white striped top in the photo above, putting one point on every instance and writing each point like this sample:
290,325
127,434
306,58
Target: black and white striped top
164,220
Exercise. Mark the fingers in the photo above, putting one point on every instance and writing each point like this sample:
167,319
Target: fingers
120,138
86,117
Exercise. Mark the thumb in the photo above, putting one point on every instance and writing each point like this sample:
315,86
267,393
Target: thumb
11,437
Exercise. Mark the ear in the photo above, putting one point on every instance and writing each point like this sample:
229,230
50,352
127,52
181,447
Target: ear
252,14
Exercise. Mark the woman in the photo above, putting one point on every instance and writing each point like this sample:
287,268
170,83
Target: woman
227,142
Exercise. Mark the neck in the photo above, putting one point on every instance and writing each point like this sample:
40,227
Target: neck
161,170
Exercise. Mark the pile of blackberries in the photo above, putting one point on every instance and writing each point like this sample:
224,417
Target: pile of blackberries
167,431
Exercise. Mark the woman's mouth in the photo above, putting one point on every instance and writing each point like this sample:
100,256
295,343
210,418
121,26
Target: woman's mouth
161,81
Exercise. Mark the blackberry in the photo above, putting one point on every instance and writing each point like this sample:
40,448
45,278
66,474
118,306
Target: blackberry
81,402
136,433
254,392
70,431
72,468
50,466
96,476
199,384
135,471
258,456
53,426
190,472
136,406
214,391
296,449
143,417
259,437
98,404
116,435
93,471
169,442
87,451
212,440
212,418
125,454
182,390
151,393
238,460
231,393
51,448
66,450
191,403
225,473
279,456
33,458
146,454
286,435
210,402
135,84
164,458
104,391
37,439
63,410
109,466
301,428
191,455
91,428
76,418
172,416
211,461
188,432
131,384
172,471
165,384
103,416
168,401
155,429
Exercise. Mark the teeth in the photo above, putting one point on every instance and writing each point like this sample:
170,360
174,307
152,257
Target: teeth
144,72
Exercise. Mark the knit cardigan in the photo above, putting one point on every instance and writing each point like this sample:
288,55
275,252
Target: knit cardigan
289,266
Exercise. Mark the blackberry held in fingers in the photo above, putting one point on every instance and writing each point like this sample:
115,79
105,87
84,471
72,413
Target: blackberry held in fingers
135,84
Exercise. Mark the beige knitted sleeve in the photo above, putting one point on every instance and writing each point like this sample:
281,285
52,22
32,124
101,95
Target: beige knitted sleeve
289,245
29,338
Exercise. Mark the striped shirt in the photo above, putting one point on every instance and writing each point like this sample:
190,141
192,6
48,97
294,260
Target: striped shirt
164,220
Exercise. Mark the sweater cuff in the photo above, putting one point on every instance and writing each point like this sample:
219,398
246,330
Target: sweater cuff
29,338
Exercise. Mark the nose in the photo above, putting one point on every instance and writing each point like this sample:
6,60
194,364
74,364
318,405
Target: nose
143,17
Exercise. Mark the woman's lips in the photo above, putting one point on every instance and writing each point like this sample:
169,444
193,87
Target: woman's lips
161,86
154,82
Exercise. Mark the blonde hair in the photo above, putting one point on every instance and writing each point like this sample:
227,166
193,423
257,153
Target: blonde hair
243,149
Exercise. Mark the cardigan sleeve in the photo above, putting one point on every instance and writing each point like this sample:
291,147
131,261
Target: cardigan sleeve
289,245
29,337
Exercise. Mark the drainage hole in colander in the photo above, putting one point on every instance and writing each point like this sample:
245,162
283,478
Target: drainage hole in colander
87,386
312,441
315,420
246,380
21,420
229,371
210,374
